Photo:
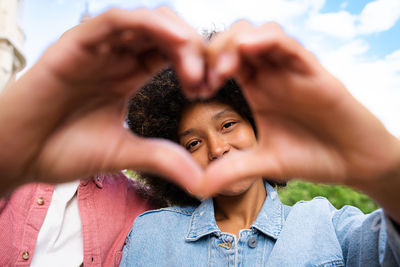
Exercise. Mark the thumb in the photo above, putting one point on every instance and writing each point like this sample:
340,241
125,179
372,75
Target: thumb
161,157
236,167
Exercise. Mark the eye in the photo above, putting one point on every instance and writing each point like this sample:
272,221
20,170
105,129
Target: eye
192,144
228,124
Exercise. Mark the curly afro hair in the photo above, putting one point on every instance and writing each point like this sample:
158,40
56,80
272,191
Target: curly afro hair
155,111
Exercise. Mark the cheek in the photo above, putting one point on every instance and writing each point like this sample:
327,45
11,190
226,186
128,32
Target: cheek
201,157
244,139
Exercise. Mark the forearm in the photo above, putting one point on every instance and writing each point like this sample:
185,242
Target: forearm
15,137
387,194
27,117
385,190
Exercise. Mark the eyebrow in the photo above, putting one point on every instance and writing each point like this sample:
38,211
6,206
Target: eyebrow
215,117
221,113
186,133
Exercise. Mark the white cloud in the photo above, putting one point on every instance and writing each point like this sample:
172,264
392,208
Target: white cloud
315,5
97,6
379,16
225,12
374,82
340,24
352,49
395,56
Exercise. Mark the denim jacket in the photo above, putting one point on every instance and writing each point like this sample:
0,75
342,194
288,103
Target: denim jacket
311,233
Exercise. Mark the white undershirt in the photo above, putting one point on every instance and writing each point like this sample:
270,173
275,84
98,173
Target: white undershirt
60,241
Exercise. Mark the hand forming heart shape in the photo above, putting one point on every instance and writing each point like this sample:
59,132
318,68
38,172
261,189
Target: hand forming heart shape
308,125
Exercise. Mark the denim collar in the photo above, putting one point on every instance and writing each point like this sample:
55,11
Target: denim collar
269,220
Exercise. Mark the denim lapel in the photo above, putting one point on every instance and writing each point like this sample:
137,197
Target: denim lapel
203,221
270,219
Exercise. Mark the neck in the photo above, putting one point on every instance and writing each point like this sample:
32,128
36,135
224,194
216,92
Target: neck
233,213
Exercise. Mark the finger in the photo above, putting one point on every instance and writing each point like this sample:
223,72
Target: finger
166,11
223,58
114,21
127,84
188,56
161,157
190,69
180,43
269,44
238,166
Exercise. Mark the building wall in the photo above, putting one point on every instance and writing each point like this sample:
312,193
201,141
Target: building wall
12,58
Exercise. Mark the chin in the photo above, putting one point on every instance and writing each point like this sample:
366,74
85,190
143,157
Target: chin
237,188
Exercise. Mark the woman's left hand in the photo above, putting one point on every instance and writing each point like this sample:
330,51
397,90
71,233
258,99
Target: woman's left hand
309,126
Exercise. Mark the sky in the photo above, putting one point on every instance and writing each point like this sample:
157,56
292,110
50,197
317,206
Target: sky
358,40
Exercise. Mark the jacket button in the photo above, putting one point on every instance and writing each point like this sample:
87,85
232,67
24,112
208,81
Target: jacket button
252,242
40,201
25,255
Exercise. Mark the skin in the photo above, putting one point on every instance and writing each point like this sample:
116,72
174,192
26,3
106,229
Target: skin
210,131
309,125
62,120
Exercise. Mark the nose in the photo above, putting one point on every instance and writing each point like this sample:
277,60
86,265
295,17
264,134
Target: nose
218,147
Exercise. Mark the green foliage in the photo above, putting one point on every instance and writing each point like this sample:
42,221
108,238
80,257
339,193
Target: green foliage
338,195
296,190
130,174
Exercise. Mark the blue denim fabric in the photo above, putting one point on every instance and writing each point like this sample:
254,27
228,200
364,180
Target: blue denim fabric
311,233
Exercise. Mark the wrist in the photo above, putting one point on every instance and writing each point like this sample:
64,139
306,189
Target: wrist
384,188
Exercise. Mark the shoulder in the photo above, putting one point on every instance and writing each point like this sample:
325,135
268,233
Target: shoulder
162,221
118,177
122,182
170,213
161,224
162,231
322,204
125,191
317,203
322,208
319,208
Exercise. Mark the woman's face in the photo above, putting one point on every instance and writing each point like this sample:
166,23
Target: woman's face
211,130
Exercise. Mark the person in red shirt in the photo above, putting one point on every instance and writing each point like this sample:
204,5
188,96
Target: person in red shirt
108,205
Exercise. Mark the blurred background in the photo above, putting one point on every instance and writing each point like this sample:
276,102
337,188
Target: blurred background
358,41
